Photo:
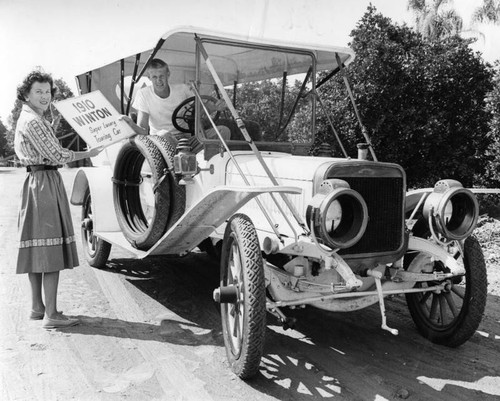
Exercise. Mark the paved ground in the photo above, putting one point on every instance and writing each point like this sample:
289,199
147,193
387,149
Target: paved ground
150,331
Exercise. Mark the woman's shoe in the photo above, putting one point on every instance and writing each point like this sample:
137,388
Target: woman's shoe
34,315
59,323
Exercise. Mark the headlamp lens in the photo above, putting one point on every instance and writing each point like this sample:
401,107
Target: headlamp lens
333,216
448,213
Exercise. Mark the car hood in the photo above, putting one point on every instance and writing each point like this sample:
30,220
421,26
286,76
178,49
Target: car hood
283,166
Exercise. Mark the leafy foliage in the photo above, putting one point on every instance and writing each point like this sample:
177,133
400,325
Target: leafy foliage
489,11
421,101
492,153
435,19
3,140
262,102
67,137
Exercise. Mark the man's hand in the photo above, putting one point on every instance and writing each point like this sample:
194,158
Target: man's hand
127,119
212,107
138,129
220,105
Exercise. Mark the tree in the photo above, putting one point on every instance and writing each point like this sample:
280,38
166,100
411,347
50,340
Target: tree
492,154
421,101
261,102
489,11
435,19
68,138
3,140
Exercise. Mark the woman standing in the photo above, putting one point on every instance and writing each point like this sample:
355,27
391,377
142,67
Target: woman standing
46,236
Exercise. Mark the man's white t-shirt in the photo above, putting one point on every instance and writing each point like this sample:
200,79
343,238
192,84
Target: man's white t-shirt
160,110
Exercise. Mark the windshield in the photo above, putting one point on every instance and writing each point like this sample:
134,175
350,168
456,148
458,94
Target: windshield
266,86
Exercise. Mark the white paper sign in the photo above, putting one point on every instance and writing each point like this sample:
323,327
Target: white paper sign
95,119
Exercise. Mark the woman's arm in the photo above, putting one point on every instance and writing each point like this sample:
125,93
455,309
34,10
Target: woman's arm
88,153
47,145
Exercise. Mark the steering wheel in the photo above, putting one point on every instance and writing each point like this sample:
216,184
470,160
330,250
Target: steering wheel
183,115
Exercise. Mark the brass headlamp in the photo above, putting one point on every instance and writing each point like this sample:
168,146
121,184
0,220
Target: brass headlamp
451,210
337,215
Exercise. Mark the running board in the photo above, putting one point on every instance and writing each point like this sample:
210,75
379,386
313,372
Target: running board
200,220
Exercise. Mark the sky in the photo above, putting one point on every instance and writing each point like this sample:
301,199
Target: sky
68,37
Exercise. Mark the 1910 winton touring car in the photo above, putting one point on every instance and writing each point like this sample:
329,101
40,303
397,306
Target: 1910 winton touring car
290,229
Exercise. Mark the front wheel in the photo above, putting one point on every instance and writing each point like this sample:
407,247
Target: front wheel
451,317
244,321
95,249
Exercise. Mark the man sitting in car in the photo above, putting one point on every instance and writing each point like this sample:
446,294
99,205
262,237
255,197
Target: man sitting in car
155,105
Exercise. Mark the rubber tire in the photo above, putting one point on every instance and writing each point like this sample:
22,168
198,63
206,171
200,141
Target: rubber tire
98,256
130,215
177,192
244,351
462,327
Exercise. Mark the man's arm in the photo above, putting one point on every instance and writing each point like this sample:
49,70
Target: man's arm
143,121
142,126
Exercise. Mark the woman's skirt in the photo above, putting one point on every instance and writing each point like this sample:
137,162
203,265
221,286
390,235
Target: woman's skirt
46,235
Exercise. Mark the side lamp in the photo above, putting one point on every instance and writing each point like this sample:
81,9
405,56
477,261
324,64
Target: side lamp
185,164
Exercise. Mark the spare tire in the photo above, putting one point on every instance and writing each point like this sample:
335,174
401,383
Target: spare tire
177,192
141,193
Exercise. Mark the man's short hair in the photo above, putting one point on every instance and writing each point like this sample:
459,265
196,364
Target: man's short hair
158,63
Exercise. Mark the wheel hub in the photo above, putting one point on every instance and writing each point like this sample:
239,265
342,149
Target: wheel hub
229,294
87,224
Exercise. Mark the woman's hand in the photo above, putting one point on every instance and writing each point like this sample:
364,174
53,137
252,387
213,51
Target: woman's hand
88,153
94,151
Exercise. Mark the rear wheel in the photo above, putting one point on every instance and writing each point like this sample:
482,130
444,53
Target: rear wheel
452,316
244,321
95,249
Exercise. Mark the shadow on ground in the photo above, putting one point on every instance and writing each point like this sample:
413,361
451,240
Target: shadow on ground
341,355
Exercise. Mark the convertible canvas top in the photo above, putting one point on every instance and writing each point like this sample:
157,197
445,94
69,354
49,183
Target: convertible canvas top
297,25
314,24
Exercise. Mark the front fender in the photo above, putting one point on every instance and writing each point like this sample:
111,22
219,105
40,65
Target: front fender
414,196
98,180
428,247
208,213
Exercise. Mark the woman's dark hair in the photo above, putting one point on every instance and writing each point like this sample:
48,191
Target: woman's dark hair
34,76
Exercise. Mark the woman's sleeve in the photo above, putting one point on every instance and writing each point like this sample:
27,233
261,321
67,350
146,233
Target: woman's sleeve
47,144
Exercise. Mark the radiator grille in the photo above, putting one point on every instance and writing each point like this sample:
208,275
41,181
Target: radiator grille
384,198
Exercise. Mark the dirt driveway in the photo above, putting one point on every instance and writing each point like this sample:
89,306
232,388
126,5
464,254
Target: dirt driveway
150,331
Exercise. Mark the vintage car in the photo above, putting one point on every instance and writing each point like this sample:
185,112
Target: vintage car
335,232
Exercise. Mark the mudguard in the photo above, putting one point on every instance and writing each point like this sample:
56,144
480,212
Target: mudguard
98,179
207,214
